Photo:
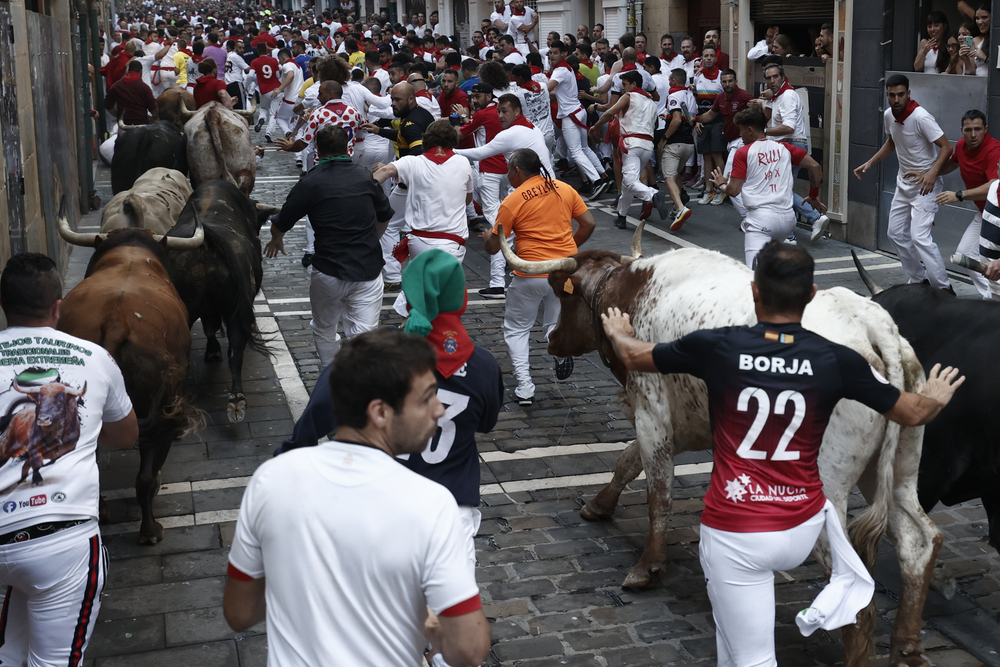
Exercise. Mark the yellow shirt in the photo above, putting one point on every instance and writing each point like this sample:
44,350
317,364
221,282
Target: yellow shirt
305,86
357,59
180,63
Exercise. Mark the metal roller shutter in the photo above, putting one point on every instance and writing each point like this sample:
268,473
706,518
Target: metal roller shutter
785,11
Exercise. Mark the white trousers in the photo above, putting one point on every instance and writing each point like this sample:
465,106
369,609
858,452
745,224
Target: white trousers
761,226
492,190
266,109
168,79
282,116
911,217
310,238
578,148
52,594
419,245
524,296
739,573
969,246
633,163
738,199
330,298
392,271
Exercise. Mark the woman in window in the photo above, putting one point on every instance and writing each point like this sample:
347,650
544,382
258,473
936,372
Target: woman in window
932,56
981,44
782,46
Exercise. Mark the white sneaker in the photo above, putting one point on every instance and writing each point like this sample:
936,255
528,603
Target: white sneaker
706,198
525,392
718,198
791,240
819,226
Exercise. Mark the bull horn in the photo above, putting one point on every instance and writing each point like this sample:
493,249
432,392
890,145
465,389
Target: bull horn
269,210
637,240
534,268
174,243
866,277
186,113
248,113
30,390
123,127
75,238
75,393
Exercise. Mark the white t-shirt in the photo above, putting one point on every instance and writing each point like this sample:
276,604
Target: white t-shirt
786,109
430,207
514,57
147,67
383,78
662,84
291,93
354,547
667,66
509,140
914,139
82,386
647,81
514,22
766,169
567,93
536,107
236,68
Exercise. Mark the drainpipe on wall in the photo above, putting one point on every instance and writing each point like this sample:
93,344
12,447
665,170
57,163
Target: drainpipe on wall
84,127
95,45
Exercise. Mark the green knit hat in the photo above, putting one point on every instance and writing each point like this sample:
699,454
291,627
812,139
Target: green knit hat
433,282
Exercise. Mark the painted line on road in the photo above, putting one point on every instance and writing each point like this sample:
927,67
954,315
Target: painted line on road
573,481
851,269
303,313
305,299
284,367
652,230
556,450
848,258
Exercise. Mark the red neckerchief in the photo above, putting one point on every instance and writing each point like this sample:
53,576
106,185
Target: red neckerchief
674,89
586,62
561,63
533,86
131,76
438,155
385,67
187,51
627,67
450,341
197,59
579,77
517,13
521,120
535,70
423,93
641,92
152,41
710,73
695,55
668,56
640,57
418,52
906,112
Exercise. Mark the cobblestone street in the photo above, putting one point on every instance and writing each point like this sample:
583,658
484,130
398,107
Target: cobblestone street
550,581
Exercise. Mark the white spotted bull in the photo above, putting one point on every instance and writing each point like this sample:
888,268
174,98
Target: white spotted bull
219,146
673,294
153,202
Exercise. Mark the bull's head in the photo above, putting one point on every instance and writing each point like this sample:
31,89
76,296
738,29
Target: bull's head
123,127
248,113
94,240
588,280
51,402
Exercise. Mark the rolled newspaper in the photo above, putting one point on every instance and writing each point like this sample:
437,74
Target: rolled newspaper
968,263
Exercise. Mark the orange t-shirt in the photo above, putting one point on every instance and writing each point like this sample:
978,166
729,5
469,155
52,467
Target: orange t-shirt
541,215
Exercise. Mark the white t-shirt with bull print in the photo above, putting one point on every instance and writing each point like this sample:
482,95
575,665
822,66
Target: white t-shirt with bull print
56,392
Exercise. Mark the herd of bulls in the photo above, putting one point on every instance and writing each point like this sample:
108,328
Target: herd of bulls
169,255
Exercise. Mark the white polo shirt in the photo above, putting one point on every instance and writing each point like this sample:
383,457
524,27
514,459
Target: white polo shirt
786,109
354,547
567,93
914,139
429,206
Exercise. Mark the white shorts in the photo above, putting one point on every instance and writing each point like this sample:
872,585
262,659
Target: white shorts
52,593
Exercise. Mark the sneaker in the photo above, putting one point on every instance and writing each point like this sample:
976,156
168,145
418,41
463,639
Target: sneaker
950,289
706,198
685,197
791,240
819,226
307,259
392,287
679,219
298,163
718,199
698,183
268,139
564,367
259,125
525,393
609,165
600,187
620,222
493,292
647,209
660,202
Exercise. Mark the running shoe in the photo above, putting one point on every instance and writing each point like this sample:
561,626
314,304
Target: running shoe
268,139
260,124
493,292
647,209
698,183
525,393
679,219
660,202
819,226
392,287
791,240
600,187
564,367
706,198
298,163
620,222
718,199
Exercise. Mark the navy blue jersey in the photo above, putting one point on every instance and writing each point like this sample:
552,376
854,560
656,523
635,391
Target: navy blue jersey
771,390
472,397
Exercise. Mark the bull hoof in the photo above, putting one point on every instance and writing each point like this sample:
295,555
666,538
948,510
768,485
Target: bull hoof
151,537
591,512
642,577
237,409
212,356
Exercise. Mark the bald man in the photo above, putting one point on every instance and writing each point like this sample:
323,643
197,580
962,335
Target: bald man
333,111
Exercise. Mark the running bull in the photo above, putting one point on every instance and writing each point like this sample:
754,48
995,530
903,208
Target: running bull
153,202
45,430
219,145
137,150
127,304
682,291
961,454
219,280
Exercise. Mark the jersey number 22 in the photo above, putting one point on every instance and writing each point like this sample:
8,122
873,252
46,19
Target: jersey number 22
781,453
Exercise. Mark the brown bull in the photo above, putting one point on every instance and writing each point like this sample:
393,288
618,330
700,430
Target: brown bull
127,304
45,430
171,103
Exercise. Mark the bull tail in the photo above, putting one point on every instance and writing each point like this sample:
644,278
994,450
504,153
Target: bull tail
166,414
867,530
132,214
212,120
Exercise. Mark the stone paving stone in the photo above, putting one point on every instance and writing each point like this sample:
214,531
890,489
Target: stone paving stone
199,626
175,540
194,565
523,649
126,635
134,572
161,598
216,654
252,651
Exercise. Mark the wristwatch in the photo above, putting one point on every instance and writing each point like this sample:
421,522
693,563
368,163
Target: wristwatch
958,195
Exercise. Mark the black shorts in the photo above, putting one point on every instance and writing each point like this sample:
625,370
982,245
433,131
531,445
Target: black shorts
712,139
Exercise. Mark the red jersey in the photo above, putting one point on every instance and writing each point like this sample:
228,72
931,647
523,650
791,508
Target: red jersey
446,103
978,166
267,69
206,89
729,106
485,124
771,391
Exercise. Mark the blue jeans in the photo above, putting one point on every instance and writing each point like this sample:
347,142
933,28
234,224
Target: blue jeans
805,210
